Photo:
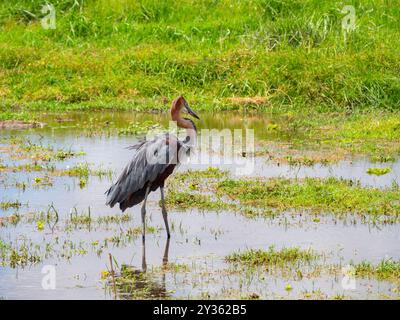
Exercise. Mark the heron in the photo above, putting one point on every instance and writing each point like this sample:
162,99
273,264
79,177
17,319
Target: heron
153,162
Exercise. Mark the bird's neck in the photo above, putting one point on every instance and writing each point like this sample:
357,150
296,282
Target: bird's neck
191,132
191,138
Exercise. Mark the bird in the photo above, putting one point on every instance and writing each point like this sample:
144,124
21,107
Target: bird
152,163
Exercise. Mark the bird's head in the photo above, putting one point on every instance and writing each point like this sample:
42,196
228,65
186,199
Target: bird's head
180,105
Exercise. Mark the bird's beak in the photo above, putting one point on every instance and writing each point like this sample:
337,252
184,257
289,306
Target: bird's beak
190,111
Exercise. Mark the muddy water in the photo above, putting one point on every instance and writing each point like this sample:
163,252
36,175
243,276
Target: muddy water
200,240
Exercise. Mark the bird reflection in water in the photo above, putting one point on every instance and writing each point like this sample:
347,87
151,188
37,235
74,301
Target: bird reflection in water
133,283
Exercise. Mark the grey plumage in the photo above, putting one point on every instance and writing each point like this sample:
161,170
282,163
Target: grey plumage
151,164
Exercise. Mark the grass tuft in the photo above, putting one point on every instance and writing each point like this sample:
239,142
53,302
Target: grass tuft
272,257
385,270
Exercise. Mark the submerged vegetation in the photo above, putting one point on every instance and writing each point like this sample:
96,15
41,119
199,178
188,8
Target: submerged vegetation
29,156
136,128
272,257
24,251
132,283
23,148
83,170
385,270
378,171
18,255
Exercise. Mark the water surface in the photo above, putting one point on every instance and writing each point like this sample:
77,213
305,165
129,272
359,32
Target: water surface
199,240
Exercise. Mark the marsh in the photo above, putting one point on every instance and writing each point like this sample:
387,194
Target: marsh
67,224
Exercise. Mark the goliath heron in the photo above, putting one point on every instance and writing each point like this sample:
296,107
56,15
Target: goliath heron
153,162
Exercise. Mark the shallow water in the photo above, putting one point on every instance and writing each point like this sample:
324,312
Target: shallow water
199,239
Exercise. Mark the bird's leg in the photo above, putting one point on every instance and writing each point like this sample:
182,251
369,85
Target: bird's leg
144,212
144,264
165,262
166,251
164,211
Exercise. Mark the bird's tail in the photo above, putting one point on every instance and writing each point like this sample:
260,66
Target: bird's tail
111,196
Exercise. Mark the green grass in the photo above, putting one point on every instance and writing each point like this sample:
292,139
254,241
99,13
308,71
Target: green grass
132,54
270,197
385,270
374,134
318,195
272,257
378,171
186,200
335,135
209,173
83,170
8,115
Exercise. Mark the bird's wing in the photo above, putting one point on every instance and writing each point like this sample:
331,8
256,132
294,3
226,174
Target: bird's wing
149,161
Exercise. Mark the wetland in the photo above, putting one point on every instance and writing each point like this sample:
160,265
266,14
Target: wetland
321,205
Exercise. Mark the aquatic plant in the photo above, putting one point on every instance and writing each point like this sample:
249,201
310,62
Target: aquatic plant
378,171
5,205
387,269
272,257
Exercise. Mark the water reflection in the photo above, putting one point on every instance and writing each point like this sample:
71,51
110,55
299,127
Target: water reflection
133,283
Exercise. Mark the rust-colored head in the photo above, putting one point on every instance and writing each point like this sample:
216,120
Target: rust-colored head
180,105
